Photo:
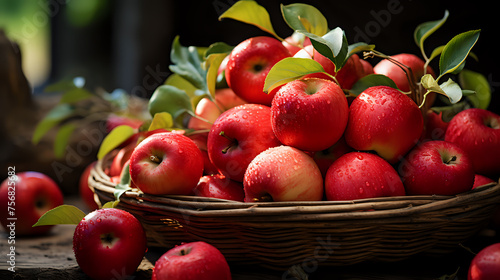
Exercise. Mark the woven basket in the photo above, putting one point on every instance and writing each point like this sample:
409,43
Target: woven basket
278,235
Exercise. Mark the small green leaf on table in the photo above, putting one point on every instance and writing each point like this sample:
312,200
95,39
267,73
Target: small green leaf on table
63,214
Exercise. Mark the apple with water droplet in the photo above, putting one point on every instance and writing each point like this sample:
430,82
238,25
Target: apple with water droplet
237,136
25,197
384,120
109,243
486,264
248,65
477,132
192,261
358,175
283,173
309,114
437,167
219,186
166,163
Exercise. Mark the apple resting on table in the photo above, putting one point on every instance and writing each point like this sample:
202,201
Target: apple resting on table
192,261
237,136
309,114
109,243
357,175
31,194
248,65
384,120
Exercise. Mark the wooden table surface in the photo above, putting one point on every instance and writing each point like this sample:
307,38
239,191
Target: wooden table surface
51,257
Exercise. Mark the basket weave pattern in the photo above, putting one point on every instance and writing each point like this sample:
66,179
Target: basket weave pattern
281,234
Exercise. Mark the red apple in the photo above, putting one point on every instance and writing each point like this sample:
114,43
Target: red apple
226,99
437,167
192,261
435,127
350,73
296,42
328,156
219,186
166,163
486,264
477,132
208,112
25,197
357,175
384,120
119,160
109,243
86,194
237,136
391,70
248,65
283,173
480,180
309,114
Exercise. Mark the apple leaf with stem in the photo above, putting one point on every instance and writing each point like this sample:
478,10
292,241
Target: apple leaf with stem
187,64
289,69
117,136
305,18
449,88
214,56
358,47
479,84
332,45
425,29
370,81
61,215
250,12
456,51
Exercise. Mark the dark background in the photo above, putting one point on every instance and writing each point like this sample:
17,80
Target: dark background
128,44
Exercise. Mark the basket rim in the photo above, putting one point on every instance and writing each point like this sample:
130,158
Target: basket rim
395,206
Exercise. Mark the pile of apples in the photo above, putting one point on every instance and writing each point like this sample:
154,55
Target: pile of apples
287,120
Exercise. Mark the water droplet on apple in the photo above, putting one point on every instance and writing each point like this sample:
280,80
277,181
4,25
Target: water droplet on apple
360,157
367,183
361,191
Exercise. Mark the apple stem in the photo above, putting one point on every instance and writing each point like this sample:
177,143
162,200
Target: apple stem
263,198
232,143
155,159
452,158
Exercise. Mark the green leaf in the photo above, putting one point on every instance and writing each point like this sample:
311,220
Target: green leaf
305,17
161,120
449,88
117,136
61,215
74,95
289,69
218,47
181,83
111,204
213,63
452,90
187,64
437,51
167,98
425,29
333,45
249,11
470,80
371,81
124,184
65,85
62,138
53,118
456,51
